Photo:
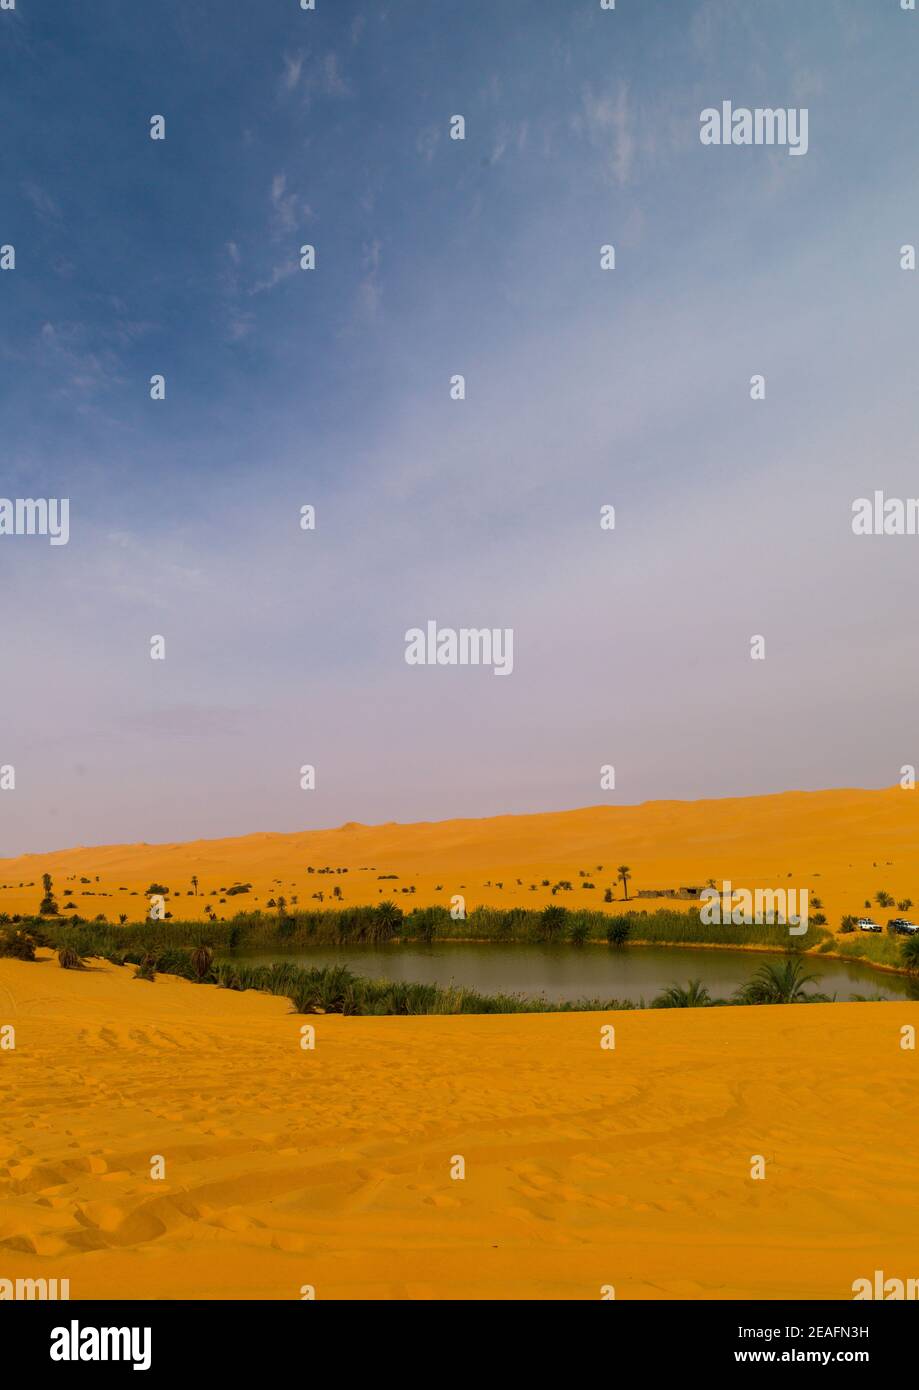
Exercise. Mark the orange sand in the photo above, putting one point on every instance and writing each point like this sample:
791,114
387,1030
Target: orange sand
842,845
584,1167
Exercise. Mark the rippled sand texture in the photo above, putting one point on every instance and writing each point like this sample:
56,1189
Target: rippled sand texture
584,1167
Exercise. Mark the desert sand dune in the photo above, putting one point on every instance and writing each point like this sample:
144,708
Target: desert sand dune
841,845
584,1167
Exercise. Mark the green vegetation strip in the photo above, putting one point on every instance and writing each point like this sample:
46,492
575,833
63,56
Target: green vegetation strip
336,989
385,922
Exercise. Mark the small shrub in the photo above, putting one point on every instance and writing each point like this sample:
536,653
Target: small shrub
909,954
147,969
779,984
18,945
553,921
201,960
617,932
692,996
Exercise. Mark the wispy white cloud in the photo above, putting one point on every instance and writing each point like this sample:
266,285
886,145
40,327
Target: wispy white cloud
509,136
427,142
44,205
293,67
607,122
369,289
79,357
275,277
288,209
321,77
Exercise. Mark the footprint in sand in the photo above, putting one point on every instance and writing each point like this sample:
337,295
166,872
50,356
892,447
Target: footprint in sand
441,1200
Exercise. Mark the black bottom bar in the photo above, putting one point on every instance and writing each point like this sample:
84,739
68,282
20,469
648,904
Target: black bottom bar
275,1340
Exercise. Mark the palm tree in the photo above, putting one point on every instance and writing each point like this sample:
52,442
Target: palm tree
779,984
624,874
48,906
909,952
388,920
194,883
617,930
554,918
202,958
694,996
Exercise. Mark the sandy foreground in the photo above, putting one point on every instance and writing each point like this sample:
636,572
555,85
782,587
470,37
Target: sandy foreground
584,1167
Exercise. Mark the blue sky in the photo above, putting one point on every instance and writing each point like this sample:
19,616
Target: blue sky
331,387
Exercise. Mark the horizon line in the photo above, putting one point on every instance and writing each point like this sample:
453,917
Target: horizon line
448,820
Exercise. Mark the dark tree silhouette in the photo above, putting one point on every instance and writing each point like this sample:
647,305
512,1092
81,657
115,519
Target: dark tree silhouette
48,905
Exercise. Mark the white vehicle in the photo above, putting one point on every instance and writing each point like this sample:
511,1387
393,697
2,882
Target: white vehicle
866,924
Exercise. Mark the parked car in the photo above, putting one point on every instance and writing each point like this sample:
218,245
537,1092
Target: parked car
866,924
902,927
